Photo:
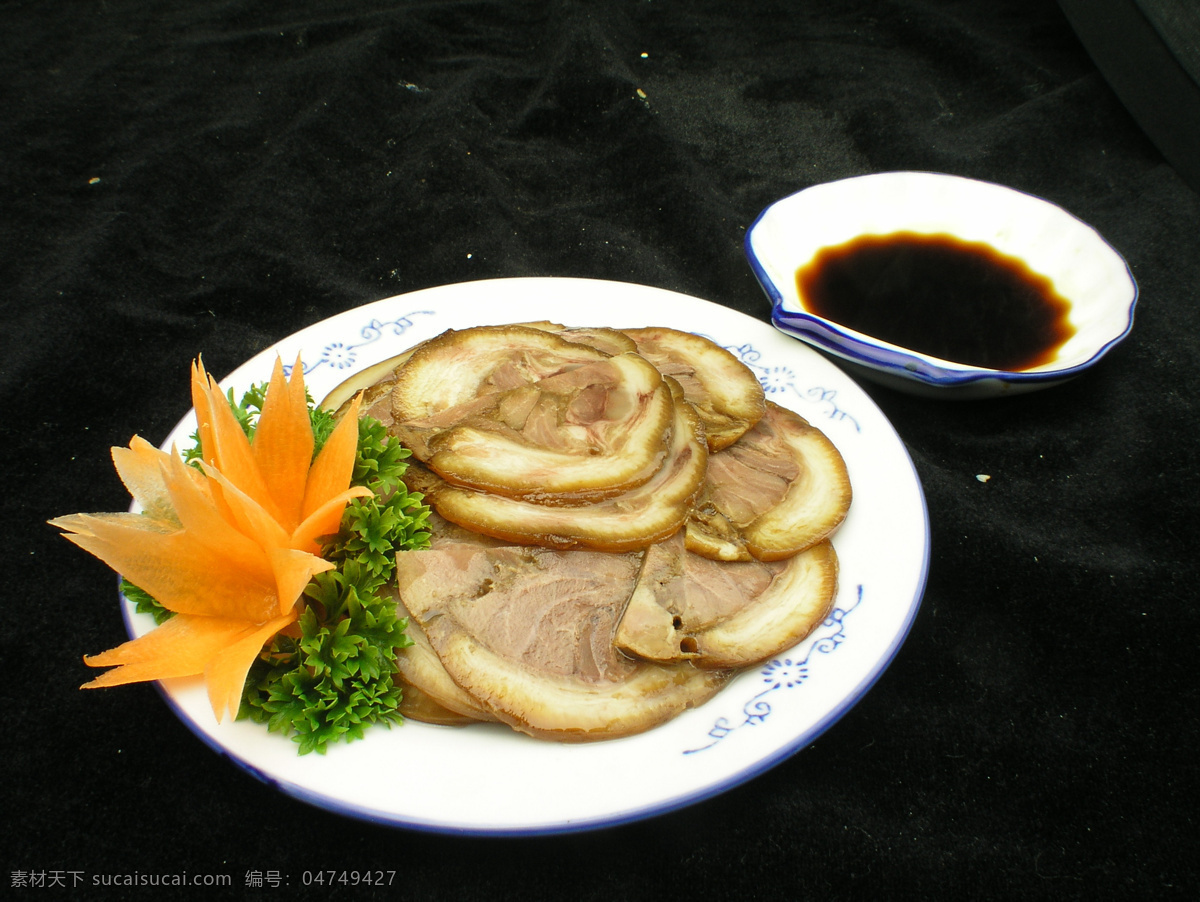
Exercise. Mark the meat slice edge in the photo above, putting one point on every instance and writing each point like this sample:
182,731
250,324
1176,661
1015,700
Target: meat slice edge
725,392
724,614
779,489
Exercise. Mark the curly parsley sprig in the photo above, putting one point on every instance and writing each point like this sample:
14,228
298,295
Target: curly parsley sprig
333,674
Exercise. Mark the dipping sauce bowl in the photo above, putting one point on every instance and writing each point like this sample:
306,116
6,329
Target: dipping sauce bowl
940,285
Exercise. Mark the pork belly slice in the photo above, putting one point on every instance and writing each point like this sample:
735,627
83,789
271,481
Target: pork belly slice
430,695
462,364
523,412
725,614
592,432
415,704
528,633
782,487
602,338
463,373
725,392
375,382
628,521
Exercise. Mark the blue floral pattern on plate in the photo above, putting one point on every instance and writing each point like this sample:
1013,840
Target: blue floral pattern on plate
786,673
781,379
342,355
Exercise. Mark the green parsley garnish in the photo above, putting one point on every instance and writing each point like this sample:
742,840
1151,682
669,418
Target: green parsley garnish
338,675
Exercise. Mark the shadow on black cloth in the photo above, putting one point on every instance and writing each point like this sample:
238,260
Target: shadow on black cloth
208,178
1149,50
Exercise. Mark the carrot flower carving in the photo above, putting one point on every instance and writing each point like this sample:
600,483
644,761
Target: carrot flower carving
228,547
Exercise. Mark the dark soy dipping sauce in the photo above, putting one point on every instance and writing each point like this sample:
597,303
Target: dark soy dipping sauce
958,300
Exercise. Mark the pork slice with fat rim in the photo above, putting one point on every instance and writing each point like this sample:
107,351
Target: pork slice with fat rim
725,614
627,521
528,633
591,432
725,392
782,487
522,412
429,695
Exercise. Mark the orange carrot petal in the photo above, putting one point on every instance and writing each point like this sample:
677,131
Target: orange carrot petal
331,471
223,442
200,403
283,442
184,575
250,517
140,468
326,519
293,570
225,674
166,669
181,646
86,525
211,524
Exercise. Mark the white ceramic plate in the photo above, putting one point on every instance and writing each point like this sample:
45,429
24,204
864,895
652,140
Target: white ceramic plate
488,779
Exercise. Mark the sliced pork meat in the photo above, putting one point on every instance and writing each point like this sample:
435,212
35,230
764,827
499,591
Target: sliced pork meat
779,489
629,521
460,365
592,432
528,633
523,412
652,627
562,594
726,394
415,704
610,341
375,382
796,595
725,614
430,695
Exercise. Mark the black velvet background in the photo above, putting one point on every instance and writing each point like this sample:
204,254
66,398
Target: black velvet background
210,177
